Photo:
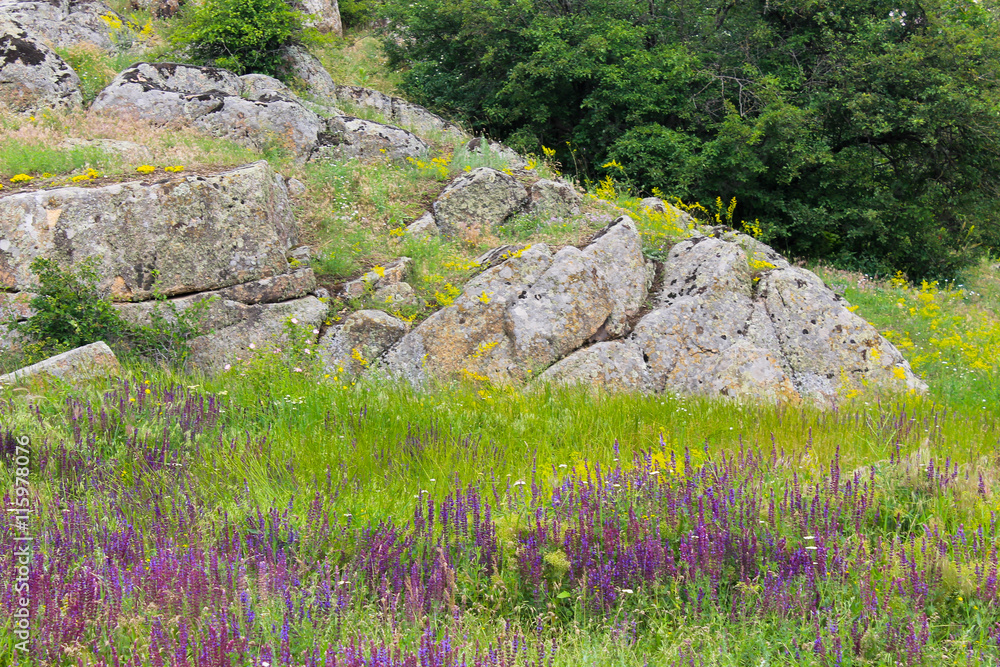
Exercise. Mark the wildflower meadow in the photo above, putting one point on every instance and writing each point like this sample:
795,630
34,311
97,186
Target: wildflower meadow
275,515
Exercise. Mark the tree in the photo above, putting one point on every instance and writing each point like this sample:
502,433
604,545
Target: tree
862,131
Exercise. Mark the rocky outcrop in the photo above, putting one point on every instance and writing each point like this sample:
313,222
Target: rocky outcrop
65,23
359,343
220,242
355,137
735,319
553,199
89,362
477,200
397,110
209,98
184,234
306,68
324,15
535,307
253,110
32,76
730,317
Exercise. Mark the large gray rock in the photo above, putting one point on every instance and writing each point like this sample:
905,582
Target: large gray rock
358,344
347,137
553,199
83,363
397,110
424,227
730,321
828,348
209,98
612,365
186,233
65,23
32,76
529,310
324,15
302,65
477,200
262,326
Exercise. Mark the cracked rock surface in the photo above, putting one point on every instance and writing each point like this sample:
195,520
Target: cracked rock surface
33,76
528,310
730,318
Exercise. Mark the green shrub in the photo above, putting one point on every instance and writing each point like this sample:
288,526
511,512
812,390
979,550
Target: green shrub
240,35
357,13
70,311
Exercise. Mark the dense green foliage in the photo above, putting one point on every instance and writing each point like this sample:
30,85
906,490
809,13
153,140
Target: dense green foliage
357,13
863,131
70,311
240,35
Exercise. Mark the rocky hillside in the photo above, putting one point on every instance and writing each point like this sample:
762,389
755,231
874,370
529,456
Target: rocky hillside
472,263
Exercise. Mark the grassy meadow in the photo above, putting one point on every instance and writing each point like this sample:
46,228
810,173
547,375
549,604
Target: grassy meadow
279,514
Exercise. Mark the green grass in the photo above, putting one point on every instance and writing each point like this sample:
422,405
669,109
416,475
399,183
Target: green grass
357,60
35,159
383,442
950,335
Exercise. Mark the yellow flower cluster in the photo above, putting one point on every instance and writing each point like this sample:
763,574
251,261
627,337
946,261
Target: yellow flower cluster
758,265
447,297
483,349
459,265
436,168
21,178
963,338
145,169
88,175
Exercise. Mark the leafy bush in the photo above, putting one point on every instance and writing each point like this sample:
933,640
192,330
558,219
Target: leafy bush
357,13
70,311
240,35
862,131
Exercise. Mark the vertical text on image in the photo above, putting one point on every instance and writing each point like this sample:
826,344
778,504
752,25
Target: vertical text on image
21,509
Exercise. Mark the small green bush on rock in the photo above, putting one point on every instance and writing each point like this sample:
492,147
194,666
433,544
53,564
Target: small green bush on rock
70,311
240,35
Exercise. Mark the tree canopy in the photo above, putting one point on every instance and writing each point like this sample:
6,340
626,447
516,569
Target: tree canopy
862,131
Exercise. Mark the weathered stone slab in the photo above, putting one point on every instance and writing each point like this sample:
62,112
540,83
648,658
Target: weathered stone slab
260,325
357,345
32,76
184,233
611,365
209,98
355,137
83,363
477,200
